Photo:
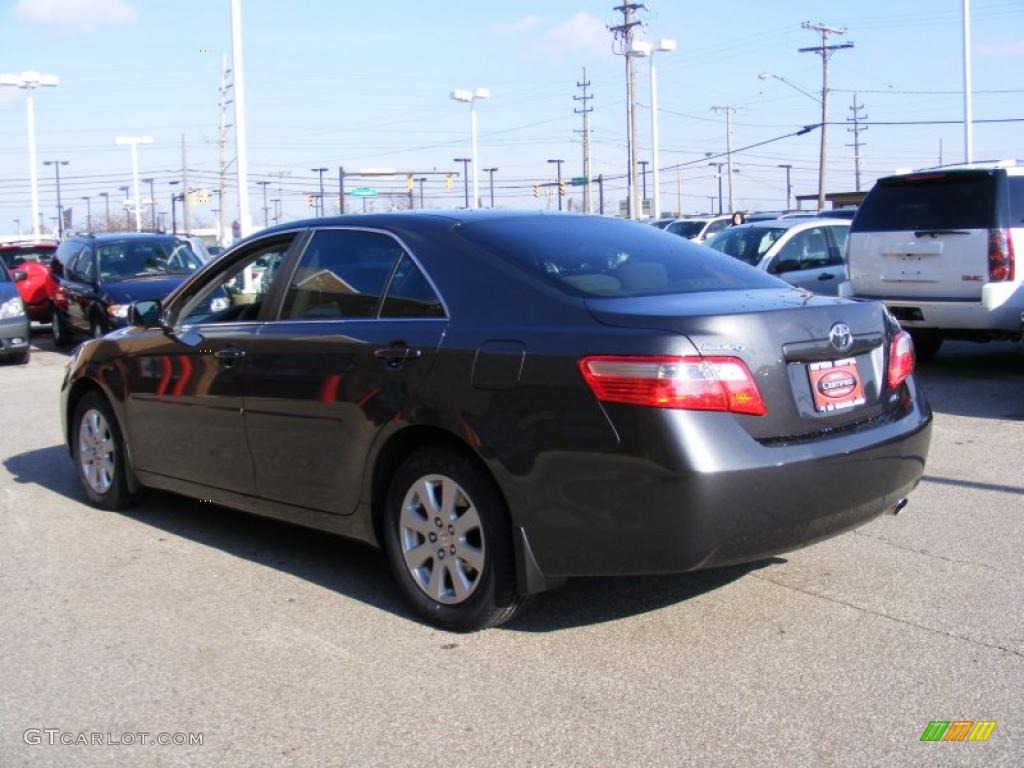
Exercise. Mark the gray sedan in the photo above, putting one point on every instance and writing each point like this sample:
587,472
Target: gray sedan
14,328
807,253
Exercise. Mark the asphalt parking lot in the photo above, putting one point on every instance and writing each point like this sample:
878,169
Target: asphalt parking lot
282,646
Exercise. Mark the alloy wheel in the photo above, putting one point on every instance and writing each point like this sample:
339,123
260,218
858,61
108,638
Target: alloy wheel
96,451
442,540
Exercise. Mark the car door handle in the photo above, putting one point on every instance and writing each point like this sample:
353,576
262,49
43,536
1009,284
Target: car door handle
397,354
229,354
826,276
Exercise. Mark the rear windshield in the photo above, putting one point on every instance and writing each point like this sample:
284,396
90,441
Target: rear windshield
930,201
1016,201
15,257
748,244
686,228
594,257
121,260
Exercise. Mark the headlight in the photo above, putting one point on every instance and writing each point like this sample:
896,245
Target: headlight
118,310
12,308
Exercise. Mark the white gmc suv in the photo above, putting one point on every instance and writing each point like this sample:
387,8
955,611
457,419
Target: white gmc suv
937,247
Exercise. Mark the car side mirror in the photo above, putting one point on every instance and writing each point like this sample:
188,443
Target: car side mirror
19,275
145,314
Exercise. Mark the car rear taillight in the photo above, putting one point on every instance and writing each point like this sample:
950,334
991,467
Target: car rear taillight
901,359
1000,255
689,383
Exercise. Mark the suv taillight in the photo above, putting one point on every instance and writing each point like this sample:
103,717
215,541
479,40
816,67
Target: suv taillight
689,383
1000,255
901,359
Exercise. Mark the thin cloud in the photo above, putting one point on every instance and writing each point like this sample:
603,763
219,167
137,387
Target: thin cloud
1007,50
525,24
67,13
583,34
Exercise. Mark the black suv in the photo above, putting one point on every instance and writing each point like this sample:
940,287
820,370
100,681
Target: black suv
99,276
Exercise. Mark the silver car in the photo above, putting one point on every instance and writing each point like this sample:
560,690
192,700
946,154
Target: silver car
808,253
698,228
14,327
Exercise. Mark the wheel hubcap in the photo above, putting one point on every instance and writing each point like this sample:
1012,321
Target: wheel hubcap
442,539
96,451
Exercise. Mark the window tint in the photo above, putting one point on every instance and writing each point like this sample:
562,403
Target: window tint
138,257
410,295
840,233
955,200
1016,200
66,253
342,275
226,300
748,244
685,228
590,256
83,267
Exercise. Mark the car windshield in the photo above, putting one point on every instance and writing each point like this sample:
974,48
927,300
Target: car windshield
137,258
686,228
748,244
15,257
594,257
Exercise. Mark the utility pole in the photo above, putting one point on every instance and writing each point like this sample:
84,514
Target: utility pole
465,175
968,103
789,186
856,121
174,207
421,180
60,207
490,172
729,110
266,208
623,34
341,191
277,209
222,143
152,202
825,51
585,111
643,183
679,190
186,209
600,193
106,200
88,213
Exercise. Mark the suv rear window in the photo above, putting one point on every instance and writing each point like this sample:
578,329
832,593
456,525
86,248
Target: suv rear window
1016,201
592,257
955,200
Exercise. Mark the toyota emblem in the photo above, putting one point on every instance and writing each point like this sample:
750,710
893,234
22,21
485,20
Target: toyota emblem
841,337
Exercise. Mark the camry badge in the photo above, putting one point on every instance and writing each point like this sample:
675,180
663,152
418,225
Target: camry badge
841,337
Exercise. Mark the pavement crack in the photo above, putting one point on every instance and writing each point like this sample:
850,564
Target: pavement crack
897,619
926,553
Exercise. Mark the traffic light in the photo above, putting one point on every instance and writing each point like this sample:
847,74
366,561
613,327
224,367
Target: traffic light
561,188
310,200
448,181
408,181
536,190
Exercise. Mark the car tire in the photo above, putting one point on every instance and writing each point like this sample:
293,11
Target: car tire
60,330
926,344
98,451
447,531
24,358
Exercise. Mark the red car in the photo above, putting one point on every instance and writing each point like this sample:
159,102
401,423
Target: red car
38,288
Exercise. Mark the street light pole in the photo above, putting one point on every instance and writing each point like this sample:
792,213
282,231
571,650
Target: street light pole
106,202
88,213
29,81
643,184
718,172
60,207
472,97
465,175
152,202
266,210
490,172
664,45
241,141
789,186
133,142
558,188
421,180
968,105
174,206
320,204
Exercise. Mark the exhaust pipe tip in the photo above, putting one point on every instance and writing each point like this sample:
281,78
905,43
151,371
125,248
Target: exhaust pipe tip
899,506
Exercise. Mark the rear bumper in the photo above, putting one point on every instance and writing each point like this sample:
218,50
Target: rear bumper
14,336
1000,310
737,501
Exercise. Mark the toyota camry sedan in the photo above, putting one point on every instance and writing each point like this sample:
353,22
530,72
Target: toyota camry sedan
505,400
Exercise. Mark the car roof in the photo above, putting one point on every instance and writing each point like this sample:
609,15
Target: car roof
28,244
788,224
100,237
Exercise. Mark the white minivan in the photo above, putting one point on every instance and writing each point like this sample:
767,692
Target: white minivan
937,247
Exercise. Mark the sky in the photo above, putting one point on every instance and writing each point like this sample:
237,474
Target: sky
366,85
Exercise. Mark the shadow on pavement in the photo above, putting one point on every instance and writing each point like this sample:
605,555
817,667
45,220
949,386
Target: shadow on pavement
359,571
976,379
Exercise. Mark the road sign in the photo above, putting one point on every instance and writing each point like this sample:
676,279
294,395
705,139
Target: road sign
363,192
579,181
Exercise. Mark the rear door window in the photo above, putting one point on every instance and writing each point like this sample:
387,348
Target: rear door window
955,200
342,274
410,294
